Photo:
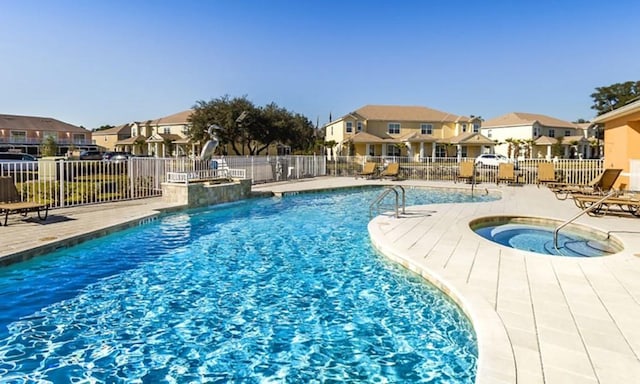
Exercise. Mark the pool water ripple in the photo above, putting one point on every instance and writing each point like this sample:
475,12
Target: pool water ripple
267,290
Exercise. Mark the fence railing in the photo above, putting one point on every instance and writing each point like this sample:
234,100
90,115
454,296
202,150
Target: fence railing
65,183
447,168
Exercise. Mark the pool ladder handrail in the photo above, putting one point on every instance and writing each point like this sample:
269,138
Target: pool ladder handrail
388,190
586,210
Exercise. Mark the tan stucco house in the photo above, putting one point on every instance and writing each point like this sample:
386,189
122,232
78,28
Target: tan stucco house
28,133
107,138
163,137
413,131
540,133
622,143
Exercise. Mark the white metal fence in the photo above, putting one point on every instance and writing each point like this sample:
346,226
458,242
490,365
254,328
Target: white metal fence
447,168
64,183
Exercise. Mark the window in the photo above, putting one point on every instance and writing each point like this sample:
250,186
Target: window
567,133
463,151
536,131
349,126
441,151
426,129
18,136
134,131
394,128
490,133
78,138
393,150
552,133
464,127
166,130
476,127
359,126
54,135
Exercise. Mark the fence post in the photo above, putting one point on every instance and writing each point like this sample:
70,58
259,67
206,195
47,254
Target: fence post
62,182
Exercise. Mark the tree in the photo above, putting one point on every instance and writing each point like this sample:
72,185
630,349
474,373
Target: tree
49,146
104,127
614,96
247,128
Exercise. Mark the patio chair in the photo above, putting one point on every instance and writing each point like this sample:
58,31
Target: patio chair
614,204
507,173
600,185
10,201
546,173
392,171
466,171
368,170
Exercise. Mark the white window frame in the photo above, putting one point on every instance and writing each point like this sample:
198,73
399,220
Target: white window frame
476,127
426,129
348,126
552,132
393,128
166,130
18,136
78,138
393,150
567,132
490,133
359,126
464,128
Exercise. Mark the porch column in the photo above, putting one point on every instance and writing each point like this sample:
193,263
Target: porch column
548,157
367,149
421,149
384,149
459,152
433,151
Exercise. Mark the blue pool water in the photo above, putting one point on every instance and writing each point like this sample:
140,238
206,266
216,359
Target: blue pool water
268,290
539,239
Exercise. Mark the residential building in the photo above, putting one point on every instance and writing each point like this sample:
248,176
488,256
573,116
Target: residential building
412,131
107,138
28,133
537,134
163,137
622,143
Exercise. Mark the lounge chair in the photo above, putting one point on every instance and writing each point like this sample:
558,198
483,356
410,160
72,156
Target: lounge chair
368,170
466,171
613,204
600,185
546,173
10,202
392,171
507,173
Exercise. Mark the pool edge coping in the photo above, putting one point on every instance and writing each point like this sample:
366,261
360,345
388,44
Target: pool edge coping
496,359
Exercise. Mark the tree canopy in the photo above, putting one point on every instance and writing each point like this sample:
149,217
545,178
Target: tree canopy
614,96
248,129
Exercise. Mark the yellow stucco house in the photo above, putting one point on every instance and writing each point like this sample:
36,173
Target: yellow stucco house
622,143
540,133
412,131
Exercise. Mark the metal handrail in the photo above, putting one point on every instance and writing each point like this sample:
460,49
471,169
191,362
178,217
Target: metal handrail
586,210
384,193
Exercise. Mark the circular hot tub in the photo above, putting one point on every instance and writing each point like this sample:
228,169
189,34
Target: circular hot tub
535,234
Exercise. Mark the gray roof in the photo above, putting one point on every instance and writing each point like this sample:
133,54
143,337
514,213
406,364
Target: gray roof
35,123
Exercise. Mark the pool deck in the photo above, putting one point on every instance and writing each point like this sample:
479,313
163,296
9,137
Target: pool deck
539,319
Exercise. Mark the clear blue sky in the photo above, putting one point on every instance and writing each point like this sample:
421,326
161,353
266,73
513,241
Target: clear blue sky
92,63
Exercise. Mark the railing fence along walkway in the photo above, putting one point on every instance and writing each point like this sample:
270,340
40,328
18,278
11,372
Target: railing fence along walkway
64,183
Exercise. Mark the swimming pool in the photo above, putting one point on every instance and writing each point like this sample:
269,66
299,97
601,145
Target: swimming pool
264,290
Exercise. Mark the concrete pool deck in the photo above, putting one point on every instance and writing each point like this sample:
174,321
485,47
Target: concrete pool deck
539,319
